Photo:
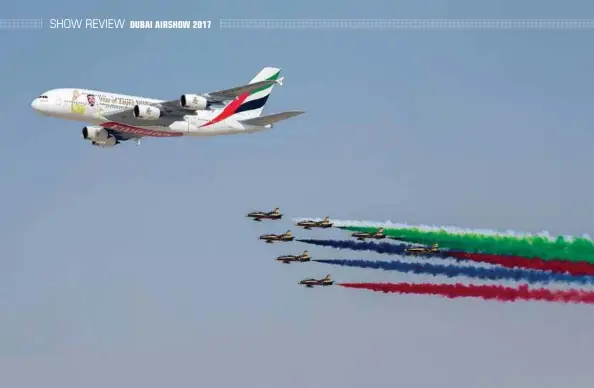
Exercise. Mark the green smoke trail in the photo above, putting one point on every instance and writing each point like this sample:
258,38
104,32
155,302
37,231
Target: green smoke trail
574,249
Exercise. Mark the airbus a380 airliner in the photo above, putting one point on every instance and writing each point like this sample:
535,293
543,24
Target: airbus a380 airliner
118,117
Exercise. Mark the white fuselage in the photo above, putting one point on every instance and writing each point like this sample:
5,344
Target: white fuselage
72,104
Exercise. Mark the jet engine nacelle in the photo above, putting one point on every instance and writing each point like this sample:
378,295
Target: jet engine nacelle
193,102
95,133
99,137
146,112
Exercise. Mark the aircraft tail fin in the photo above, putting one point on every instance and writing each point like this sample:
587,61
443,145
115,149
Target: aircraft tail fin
262,121
380,230
327,278
253,104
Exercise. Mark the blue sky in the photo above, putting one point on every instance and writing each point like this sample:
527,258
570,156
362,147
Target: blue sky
135,266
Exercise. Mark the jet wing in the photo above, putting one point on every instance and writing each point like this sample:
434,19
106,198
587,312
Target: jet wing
271,119
230,94
172,112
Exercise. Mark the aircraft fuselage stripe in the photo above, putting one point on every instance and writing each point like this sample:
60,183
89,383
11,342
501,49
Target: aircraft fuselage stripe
237,106
229,110
139,131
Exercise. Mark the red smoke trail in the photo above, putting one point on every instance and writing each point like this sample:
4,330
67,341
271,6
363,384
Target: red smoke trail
500,293
535,263
556,266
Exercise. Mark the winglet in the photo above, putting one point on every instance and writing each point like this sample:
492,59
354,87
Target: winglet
280,81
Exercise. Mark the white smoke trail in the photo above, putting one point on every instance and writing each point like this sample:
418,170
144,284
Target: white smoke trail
445,228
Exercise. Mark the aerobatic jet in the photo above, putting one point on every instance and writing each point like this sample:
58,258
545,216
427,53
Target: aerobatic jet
317,282
288,259
308,224
270,238
272,215
422,250
376,235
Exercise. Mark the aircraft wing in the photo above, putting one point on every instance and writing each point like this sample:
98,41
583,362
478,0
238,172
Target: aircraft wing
230,94
172,112
271,119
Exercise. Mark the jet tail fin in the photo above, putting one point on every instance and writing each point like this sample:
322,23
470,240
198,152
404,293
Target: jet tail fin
327,277
263,121
253,105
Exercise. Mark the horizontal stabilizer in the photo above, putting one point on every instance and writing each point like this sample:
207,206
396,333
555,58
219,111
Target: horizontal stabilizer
271,119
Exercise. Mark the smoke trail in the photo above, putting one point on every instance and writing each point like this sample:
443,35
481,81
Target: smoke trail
453,271
555,266
575,268
451,229
381,247
574,249
499,293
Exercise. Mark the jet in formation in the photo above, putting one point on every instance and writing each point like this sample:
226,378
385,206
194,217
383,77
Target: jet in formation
272,215
308,224
288,259
363,235
317,282
423,250
114,118
270,238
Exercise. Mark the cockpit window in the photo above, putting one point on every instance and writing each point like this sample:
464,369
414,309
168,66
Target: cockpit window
43,96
